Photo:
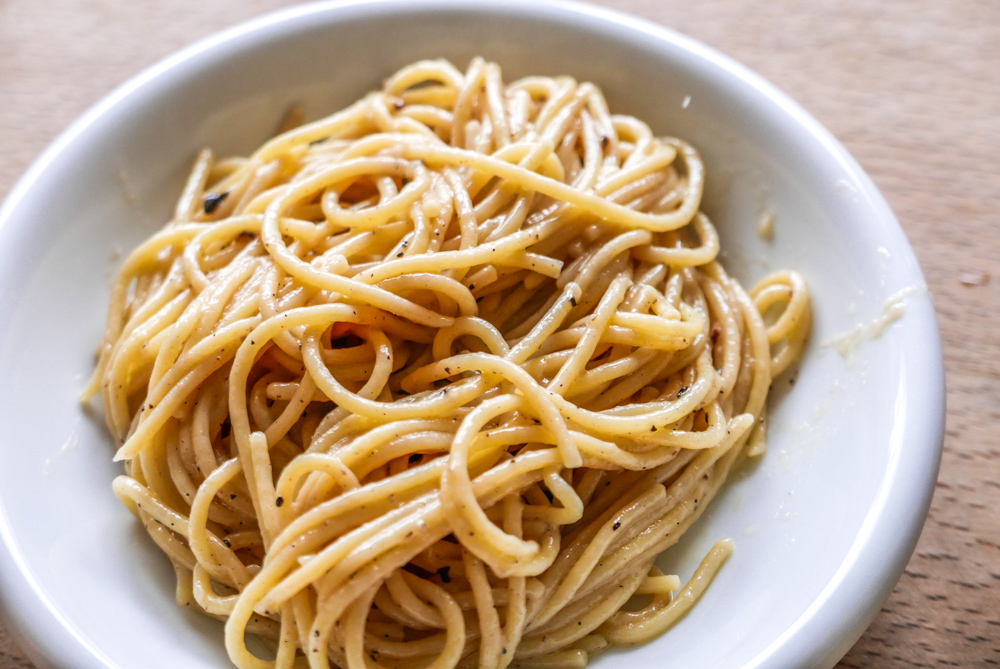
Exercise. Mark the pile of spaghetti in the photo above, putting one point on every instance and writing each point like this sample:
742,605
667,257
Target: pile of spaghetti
433,381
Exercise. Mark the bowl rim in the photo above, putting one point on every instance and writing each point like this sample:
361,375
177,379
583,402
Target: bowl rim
846,605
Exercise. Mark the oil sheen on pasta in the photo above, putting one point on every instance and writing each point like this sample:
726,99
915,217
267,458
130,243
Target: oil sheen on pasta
433,381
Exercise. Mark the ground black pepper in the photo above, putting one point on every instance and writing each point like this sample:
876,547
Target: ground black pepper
213,200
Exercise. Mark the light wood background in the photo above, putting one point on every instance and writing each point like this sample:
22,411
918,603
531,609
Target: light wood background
911,87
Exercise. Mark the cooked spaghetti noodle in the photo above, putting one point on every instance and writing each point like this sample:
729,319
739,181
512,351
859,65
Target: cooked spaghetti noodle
433,381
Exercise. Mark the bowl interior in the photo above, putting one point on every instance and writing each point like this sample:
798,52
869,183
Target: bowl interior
850,441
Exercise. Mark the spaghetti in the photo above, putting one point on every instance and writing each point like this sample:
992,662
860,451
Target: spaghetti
433,381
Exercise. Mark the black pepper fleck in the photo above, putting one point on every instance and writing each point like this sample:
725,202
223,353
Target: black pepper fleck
213,200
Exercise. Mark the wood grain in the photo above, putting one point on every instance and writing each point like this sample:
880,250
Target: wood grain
911,87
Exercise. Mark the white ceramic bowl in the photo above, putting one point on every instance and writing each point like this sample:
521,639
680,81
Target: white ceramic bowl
823,525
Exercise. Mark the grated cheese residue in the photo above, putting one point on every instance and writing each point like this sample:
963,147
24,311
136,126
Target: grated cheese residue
893,309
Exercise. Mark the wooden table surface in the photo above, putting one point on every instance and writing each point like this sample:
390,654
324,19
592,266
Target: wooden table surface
911,87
